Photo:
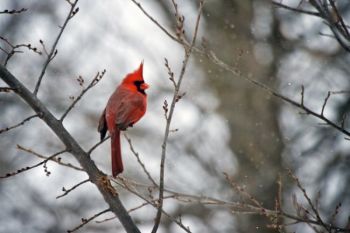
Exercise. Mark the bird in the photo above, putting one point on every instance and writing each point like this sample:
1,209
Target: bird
126,106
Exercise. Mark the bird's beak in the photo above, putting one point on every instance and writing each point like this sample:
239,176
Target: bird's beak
144,86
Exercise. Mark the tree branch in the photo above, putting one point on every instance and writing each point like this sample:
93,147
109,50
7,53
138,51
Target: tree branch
280,5
34,166
18,124
94,81
66,191
53,50
87,220
170,115
139,161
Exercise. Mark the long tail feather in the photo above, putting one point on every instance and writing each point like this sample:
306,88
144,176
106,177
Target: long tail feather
117,163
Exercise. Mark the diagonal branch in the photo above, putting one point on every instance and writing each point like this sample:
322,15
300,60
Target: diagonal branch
313,13
53,50
33,166
140,162
87,220
18,124
66,191
94,81
14,11
53,159
95,175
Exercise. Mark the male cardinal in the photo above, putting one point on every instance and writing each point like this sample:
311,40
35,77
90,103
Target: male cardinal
124,108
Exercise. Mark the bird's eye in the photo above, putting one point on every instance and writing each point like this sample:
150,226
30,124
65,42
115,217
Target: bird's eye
138,83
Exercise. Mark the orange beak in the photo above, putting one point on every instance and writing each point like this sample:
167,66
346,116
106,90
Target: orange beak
144,86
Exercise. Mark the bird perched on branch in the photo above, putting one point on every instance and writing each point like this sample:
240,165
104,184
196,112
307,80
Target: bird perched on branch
124,108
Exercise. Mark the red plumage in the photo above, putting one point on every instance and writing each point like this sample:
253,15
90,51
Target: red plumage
125,107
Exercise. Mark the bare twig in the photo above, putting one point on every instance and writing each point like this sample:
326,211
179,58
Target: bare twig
54,159
340,31
33,166
66,191
318,217
243,192
170,72
335,213
53,50
14,11
18,124
15,49
154,21
94,81
169,118
98,144
87,220
302,95
280,5
325,102
340,19
139,161
340,92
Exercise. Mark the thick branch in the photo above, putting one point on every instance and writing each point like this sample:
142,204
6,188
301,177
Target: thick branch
73,147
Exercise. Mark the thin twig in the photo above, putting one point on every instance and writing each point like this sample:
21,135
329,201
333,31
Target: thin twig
302,95
318,217
242,191
313,13
169,118
139,161
154,20
14,11
15,49
33,166
340,19
325,102
18,124
170,72
66,191
53,50
94,81
87,220
98,144
56,160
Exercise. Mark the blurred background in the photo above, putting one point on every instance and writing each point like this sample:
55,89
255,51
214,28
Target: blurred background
225,124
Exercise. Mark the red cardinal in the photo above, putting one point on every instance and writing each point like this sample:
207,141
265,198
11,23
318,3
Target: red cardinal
124,108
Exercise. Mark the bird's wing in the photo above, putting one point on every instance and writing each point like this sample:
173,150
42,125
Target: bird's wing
129,111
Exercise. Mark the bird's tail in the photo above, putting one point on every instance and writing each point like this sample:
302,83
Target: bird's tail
117,163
